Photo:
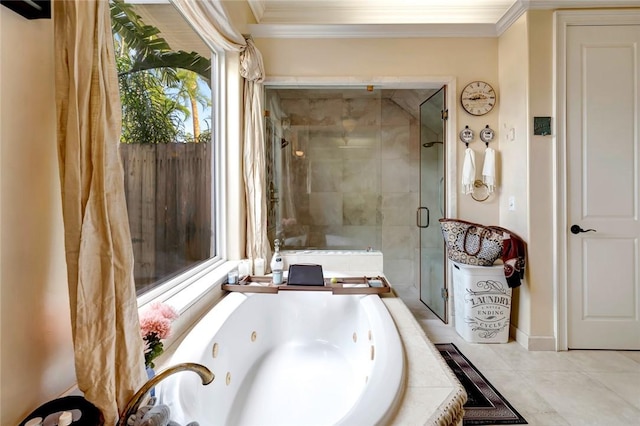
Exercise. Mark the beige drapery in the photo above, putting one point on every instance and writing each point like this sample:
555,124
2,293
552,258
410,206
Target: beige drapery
211,21
254,156
108,347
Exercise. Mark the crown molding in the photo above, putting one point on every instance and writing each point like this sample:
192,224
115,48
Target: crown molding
372,31
279,20
257,8
512,15
578,4
522,6
351,13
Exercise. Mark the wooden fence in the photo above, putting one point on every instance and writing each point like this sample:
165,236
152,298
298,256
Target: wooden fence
168,191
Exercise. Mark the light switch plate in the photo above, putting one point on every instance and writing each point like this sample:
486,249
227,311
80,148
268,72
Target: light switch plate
542,126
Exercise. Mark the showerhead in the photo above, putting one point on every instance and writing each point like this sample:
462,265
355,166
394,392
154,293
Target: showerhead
430,144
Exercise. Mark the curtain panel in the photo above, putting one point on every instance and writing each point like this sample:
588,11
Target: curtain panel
211,21
108,347
254,155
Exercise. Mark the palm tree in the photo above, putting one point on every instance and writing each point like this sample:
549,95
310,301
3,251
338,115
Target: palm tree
189,91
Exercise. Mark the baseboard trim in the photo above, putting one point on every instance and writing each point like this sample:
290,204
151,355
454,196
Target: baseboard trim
533,343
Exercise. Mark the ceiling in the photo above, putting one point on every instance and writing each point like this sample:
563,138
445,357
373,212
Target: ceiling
365,18
400,18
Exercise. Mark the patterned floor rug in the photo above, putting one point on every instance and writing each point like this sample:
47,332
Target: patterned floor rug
485,405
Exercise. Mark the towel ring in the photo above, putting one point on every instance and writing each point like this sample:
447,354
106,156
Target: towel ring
482,188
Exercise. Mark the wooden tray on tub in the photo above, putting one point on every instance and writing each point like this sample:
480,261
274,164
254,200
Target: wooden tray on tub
343,285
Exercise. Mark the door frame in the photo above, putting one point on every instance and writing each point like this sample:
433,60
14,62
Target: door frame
562,21
390,82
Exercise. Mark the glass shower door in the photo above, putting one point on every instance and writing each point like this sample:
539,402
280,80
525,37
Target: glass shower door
432,259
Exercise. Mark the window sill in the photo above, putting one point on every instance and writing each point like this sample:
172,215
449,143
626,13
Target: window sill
191,300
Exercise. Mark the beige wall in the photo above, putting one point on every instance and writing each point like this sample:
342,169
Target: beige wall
240,15
541,190
36,358
514,79
526,81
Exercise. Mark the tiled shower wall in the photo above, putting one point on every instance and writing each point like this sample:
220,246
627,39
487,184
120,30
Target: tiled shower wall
351,188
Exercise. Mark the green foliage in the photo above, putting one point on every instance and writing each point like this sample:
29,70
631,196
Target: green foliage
148,49
147,71
155,349
203,137
148,115
170,60
139,37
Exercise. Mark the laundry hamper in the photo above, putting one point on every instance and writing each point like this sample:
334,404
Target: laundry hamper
482,303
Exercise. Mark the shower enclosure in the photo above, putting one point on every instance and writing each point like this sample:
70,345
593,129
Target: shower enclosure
345,171
432,203
326,189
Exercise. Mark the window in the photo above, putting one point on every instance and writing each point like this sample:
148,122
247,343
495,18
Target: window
168,142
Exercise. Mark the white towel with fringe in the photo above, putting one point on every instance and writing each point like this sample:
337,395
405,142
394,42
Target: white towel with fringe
489,169
468,171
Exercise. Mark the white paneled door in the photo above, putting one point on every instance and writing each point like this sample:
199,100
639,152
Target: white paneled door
603,177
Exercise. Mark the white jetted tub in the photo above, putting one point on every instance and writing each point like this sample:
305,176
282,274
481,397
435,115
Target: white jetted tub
292,358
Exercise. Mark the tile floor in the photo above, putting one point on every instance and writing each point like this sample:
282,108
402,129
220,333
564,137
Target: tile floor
548,388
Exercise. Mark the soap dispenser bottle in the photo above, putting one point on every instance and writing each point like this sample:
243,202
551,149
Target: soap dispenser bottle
277,263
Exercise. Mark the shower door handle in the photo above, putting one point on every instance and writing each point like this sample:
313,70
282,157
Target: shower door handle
419,217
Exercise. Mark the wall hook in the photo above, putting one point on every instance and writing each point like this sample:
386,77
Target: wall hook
486,135
466,136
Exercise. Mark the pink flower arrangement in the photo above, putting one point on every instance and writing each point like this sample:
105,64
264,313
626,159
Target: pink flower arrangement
155,325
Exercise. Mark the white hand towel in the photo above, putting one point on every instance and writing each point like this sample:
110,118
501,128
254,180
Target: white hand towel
489,169
468,171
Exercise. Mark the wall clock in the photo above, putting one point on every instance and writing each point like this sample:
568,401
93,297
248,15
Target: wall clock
478,98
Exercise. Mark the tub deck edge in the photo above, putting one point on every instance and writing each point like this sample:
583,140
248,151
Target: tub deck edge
447,399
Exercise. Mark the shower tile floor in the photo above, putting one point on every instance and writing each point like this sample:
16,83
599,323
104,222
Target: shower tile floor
600,388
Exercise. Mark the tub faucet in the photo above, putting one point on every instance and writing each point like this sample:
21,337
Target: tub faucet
134,403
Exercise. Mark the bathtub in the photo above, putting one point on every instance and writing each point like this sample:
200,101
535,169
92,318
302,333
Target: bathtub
292,358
